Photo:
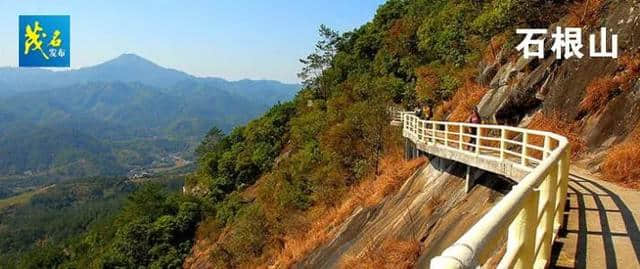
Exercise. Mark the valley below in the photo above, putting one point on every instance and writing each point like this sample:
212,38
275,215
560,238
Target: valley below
101,120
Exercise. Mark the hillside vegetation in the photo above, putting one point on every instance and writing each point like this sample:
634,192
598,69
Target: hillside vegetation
71,223
338,132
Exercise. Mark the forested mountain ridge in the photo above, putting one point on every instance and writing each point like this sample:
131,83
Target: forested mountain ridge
118,115
125,68
131,68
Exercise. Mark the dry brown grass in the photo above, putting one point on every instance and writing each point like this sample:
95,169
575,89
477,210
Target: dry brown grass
394,171
598,93
585,12
462,103
600,90
493,48
555,123
622,163
439,113
391,254
631,65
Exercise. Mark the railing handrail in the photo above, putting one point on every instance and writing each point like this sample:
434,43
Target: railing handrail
529,215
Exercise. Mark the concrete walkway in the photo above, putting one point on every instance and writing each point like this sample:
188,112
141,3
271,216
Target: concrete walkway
601,226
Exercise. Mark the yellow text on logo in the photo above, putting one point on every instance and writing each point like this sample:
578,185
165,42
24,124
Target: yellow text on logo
33,40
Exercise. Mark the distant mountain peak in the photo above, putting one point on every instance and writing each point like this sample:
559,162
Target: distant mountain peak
127,67
130,59
130,67
130,55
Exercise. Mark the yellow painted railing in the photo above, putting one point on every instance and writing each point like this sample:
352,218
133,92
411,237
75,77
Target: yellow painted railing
529,216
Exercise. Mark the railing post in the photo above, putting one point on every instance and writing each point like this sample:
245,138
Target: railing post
460,139
547,147
545,227
419,131
433,133
446,135
521,240
423,133
478,131
523,156
503,138
563,183
404,121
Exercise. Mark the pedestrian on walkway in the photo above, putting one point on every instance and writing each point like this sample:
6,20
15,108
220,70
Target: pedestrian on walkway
429,115
419,111
475,119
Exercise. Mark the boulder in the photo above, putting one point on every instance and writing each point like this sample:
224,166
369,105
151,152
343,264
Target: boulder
502,57
503,76
492,101
522,64
487,74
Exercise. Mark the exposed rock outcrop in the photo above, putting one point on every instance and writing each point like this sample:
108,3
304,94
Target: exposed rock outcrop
431,208
558,86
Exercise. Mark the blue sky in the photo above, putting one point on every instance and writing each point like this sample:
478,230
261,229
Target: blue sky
222,38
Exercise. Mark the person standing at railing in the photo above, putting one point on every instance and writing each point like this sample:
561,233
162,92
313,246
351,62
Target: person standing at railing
419,111
423,112
474,118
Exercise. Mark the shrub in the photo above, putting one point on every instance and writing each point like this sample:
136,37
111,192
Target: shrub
443,36
493,48
622,163
495,16
585,12
427,84
598,93
631,65
249,235
462,103
601,90
449,84
227,209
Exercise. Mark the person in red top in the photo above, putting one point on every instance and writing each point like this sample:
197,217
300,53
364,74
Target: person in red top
475,119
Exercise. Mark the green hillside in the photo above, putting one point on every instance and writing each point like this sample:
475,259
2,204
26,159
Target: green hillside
50,217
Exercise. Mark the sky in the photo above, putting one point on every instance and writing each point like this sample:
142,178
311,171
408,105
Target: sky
219,38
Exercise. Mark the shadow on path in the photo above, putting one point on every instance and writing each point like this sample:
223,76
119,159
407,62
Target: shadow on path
581,234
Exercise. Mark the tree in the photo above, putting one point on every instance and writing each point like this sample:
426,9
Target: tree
427,86
210,140
319,61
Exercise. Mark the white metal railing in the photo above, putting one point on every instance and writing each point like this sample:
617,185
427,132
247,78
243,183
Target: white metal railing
530,215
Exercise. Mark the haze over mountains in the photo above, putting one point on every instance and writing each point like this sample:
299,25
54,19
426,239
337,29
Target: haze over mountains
122,114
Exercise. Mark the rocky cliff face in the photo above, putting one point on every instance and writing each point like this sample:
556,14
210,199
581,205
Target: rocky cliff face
431,209
522,86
